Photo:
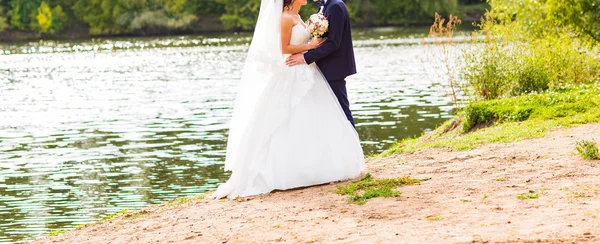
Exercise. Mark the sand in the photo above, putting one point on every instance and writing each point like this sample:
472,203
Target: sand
471,197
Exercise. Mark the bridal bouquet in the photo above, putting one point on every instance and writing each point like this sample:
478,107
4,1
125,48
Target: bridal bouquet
318,25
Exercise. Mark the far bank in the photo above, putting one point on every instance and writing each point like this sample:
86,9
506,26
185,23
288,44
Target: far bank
73,29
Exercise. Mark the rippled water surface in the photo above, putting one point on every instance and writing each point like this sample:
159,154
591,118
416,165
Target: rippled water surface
89,128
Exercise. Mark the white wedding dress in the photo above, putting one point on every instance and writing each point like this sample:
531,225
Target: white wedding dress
289,131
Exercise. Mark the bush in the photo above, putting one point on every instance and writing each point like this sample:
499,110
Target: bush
516,52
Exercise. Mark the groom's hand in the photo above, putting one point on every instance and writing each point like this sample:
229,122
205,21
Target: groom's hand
294,60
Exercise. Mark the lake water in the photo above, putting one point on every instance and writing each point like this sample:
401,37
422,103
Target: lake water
91,127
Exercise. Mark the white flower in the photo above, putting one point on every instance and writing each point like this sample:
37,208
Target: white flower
314,18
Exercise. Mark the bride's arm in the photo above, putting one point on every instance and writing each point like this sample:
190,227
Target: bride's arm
287,23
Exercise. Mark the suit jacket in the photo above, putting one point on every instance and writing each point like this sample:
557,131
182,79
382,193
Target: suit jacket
335,57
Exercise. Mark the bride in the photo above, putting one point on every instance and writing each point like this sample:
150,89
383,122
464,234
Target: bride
288,129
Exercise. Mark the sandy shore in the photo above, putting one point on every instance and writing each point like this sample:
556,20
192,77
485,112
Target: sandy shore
471,197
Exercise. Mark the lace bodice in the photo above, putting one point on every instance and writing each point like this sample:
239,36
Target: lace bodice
299,35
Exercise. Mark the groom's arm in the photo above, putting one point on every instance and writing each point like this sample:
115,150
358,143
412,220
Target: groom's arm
336,19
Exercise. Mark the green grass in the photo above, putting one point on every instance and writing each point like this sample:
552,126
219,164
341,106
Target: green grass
107,217
56,232
117,214
530,195
184,200
361,190
588,150
510,119
435,218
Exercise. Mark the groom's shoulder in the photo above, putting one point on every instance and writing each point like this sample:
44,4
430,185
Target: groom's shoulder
339,3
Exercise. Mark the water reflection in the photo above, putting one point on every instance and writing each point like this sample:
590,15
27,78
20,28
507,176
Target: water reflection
89,128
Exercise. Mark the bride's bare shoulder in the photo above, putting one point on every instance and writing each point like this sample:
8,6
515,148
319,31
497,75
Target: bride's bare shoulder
287,19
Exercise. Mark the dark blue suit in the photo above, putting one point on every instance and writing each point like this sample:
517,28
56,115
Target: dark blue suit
335,57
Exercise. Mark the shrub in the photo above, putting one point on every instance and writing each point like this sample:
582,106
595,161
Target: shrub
519,50
587,150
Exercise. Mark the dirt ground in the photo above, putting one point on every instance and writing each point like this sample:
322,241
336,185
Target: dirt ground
471,197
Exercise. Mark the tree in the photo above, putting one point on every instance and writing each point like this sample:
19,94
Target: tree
240,14
44,17
396,12
175,7
101,15
581,15
22,14
50,20
3,22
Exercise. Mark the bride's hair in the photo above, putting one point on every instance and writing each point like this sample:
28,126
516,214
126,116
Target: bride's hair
287,4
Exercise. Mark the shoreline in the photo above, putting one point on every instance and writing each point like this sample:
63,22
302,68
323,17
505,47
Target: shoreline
472,197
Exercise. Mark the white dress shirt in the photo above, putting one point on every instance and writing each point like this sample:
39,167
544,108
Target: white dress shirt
324,2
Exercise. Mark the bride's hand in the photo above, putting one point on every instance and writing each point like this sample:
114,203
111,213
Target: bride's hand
316,42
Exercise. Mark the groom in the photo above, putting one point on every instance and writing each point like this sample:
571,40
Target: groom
335,57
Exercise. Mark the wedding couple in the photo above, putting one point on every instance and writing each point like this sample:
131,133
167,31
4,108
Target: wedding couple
292,126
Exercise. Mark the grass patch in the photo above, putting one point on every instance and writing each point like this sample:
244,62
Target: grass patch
361,190
465,200
117,214
138,215
510,119
500,179
588,150
184,200
81,226
56,232
529,195
434,218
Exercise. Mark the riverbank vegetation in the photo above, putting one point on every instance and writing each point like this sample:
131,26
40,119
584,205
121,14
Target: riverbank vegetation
511,119
33,19
365,188
537,68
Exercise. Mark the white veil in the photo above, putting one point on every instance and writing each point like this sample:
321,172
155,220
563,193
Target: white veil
262,63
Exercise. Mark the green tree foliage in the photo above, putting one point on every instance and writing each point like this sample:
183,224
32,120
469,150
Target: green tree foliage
44,17
240,14
466,2
22,14
395,12
102,15
50,20
3,20
581,15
